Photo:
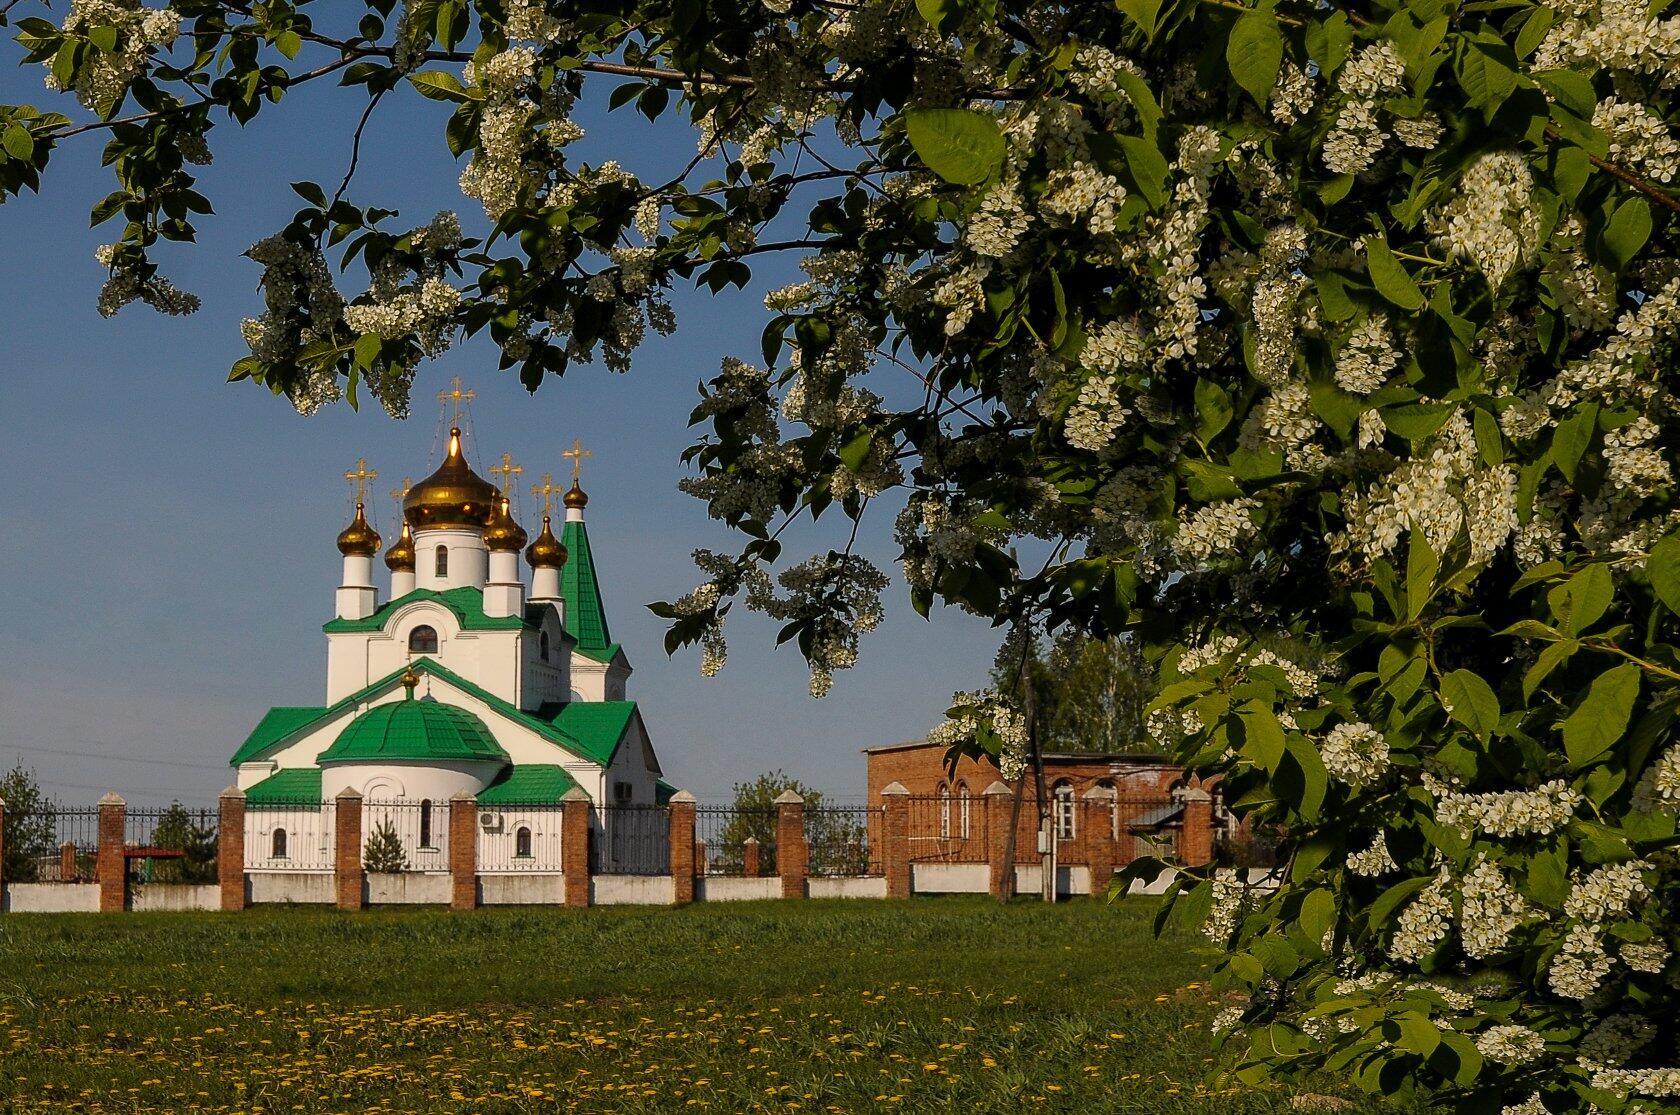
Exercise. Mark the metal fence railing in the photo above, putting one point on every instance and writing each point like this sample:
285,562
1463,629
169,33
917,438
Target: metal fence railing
290,836
36,841
634,840
838,839
723,831
514,838
405,836
173,845
947,828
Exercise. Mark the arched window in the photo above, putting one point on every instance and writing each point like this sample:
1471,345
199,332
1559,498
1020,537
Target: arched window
944,812
441,561
522,844
426,824
279,851
422,640
1062,792
1113,809
542,643
963,802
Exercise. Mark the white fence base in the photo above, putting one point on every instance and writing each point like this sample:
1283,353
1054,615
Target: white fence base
290,888
49,898
533,889
846,886
175,896
632,890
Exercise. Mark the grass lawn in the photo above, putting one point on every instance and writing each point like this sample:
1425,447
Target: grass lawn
934,1004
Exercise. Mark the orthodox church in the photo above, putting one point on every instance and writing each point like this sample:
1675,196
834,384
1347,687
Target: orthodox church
465,678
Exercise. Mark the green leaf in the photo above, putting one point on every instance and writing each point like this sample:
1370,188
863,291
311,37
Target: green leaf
960,145
1328,42
1416,421
856,451
1571,438
1262,735
1254,52
1578,602
1389,276
1663,568
367,349
1149,169
1145,13
18,143
1550,658
311,193
1470,701
1421,566
1602,716
1628,230
439,86
1213,410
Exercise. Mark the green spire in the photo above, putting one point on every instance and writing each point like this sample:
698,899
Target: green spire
586,619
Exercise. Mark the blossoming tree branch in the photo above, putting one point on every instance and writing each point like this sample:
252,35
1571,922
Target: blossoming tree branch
1325,349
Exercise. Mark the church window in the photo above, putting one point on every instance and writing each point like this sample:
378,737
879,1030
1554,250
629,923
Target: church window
426,824
1113,809
423,640
621,792
441,561
963,803
542,642
279,847
944,812
522,844
1063,794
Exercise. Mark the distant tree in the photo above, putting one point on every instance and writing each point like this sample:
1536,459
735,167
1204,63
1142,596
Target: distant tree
383,854
30,825
1090,693
197,844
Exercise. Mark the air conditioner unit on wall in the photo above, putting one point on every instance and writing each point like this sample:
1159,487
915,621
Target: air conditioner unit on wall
490,822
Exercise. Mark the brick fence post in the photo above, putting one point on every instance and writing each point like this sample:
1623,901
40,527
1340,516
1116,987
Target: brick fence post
793,858
574,845
1195,833
995,802
113,865
895,839
67,868
702,866
2,854
349,880
682,847
463,852
230,847
1099,837
749,854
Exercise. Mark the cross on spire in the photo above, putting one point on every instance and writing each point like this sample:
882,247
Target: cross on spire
577,454
507,470
361,474
400,494
457,399
547,490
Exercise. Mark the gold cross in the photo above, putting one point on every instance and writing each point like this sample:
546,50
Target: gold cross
508,470
455,396
547,491
361,474
576,454
400,494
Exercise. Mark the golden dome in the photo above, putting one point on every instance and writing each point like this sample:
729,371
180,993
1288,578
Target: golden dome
502,533
575,497
453,496
358,538
546,550
400,557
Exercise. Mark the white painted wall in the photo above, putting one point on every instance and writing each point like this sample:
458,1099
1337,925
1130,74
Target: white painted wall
491,659
309,839
632,890
729,888
498,838
413,782
468,558
49,898
950,878
522,890
175,896
290,888
858,886
408,889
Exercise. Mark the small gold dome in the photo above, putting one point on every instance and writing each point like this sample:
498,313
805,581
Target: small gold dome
453,496
546,550
502,533
575,497
358,538
400,557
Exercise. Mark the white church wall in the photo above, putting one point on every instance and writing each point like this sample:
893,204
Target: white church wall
175,896
308,844
411,783
632,890
533,889
357,659
289,888
408,889
49,898
468,562
498,838
523,745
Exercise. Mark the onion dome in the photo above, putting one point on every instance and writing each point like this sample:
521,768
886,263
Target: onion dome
358,539
416,732
546,550
453,496
501,532
400,557
576,498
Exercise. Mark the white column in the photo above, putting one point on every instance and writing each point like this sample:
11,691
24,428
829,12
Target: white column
465,567
402,582
504,593
357,597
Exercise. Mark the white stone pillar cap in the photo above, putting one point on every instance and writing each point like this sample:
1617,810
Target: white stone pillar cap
576,793
682,797
994,789
788,797
896,789
232,792
112,798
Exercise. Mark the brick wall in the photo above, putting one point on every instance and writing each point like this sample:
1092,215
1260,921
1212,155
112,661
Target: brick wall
463,853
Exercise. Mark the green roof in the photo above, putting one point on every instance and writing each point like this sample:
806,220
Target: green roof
293,786
276,725
585,617
598,726
467,603
414,731
663,791
530,784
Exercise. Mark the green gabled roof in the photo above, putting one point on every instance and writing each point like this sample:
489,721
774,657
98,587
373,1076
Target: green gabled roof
293,786
598,726
663,791
530,784
600,654
467,604
414,731
586,619
276,725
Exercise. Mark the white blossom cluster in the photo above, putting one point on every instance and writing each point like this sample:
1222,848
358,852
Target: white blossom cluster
1533,1105
1580,966
969,711
1659,786
1231,896
1097,415
1490,908
1613,35
125,284
103,79
1083,194
1510,812
1368,357
1607,892
1492,220
1656,1083
303,306
1650,956
1510,1044
1424,923
1355,753
1637,466
1373,861
1293,96
1214,530
1638,138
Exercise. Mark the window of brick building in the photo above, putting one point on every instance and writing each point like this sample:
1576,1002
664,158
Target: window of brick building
1062,794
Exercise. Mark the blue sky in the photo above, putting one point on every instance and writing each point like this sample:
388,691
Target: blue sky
168,541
